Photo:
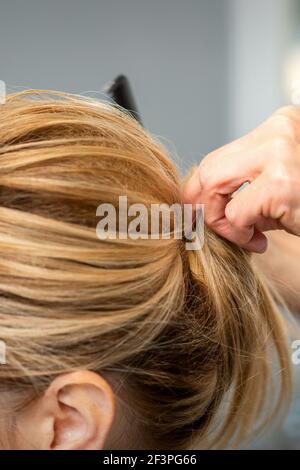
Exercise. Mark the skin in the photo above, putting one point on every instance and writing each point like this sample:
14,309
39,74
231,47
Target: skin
78,409
269,159
75,413
280,264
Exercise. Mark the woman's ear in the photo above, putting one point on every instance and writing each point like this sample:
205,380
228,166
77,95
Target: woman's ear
75,412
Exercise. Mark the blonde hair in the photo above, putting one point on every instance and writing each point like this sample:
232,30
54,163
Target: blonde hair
195,334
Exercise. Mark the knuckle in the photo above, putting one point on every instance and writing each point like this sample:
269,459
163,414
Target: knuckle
282,182
283,147
285,125
232,214
205,173
286,190
288,110
209,173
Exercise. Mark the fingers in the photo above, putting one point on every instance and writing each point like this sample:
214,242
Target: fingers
224,169
226,172
246,212
266,158
192,189
245,208
248,238
257,244
241,218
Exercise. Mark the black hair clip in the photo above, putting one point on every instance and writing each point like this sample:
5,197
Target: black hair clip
120,91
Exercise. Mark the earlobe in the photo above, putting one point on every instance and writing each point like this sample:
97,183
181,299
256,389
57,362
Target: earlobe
76,412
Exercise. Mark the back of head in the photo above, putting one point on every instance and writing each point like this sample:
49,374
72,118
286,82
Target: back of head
191,336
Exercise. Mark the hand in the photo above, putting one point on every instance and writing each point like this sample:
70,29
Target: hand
269,159
281,266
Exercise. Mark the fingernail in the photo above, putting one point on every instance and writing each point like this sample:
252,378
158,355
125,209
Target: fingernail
261,245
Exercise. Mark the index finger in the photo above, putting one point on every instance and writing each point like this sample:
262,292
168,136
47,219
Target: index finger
213,183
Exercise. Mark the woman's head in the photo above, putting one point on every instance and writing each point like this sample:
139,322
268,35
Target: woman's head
118,342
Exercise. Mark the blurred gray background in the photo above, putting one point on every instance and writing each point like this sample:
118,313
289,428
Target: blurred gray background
203,71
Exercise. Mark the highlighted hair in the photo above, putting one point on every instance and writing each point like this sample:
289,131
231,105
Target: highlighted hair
195,337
